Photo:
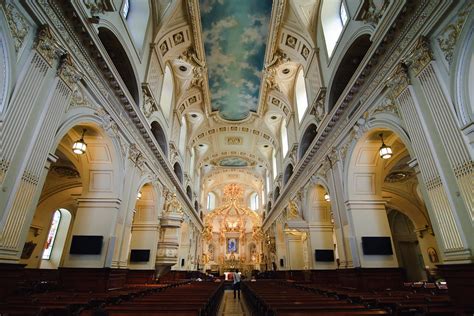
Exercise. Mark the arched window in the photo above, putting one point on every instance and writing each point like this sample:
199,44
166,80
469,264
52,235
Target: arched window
178,171
167,91
288,173
284,138
276,194
254,201
189,192
121,61
160,137
307,139
53,230
211,201
333,18
301,97
347,67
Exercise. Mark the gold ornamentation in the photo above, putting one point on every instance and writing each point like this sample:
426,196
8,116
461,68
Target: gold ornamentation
421,56
18,25
398,82
68,72
234,140
449,36
47,46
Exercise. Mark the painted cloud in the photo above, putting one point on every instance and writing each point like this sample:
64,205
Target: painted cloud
235,34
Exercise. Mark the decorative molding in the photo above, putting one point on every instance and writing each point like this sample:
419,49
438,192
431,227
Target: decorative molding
398,82
372,11
420,56
99,6
47,46
449,36
68,72
149,103
317,108
387,106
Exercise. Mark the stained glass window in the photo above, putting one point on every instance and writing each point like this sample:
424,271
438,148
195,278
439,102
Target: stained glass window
48,248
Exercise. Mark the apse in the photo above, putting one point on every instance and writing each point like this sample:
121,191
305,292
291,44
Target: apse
235,35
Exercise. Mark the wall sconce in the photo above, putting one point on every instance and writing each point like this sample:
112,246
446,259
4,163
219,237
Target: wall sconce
139,195
79,147
385,151
327,197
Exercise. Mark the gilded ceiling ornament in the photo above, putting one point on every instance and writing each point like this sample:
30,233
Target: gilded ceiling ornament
18,25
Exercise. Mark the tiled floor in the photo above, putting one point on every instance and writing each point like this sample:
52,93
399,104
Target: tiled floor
231,306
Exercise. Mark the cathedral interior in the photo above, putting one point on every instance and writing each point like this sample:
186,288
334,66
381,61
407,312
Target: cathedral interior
156,142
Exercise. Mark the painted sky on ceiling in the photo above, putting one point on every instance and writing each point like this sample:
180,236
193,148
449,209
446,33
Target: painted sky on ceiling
235,33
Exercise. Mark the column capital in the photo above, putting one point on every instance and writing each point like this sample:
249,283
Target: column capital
47,46
420,56
398,81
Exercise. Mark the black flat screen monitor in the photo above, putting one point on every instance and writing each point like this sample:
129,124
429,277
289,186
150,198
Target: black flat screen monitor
377,246
324,255
86,245
139,255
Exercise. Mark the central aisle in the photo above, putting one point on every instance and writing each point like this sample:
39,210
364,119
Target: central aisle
231,306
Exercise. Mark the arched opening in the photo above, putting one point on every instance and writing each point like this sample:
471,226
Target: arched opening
71,187
288,173
167,92
406,245
308,137
121,61
333,18
189,193
196,206
347,67
269,207
160,137
301,95
375,186
136,17
178,171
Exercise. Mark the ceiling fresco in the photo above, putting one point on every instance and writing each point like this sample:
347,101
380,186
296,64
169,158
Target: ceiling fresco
233,162
235,34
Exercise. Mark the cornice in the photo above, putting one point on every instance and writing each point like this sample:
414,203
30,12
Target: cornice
379,63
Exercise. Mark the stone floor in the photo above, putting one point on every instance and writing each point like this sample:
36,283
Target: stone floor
232,307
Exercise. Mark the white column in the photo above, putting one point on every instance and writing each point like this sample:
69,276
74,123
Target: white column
447,225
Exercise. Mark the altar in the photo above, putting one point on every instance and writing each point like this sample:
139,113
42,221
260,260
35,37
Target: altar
232,237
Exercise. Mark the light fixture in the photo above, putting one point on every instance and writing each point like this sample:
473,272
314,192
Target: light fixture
327,198
79,147
139,195
385,151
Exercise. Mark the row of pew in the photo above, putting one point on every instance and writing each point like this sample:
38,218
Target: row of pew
184,298
419,300
271,298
